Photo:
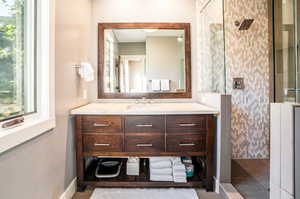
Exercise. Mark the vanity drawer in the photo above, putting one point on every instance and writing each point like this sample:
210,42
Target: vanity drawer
103,143
145,143
102,124
144,124
186,143
186,123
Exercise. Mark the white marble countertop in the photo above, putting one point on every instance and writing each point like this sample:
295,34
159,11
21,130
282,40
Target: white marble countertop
143,109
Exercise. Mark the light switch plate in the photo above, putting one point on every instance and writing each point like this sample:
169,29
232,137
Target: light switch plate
238,83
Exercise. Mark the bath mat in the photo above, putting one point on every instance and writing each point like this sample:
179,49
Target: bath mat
122,193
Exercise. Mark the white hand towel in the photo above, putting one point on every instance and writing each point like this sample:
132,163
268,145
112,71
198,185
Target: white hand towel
165,84
86,71
160,165
155,83
167,178
176,160
159,159
180,180
164,171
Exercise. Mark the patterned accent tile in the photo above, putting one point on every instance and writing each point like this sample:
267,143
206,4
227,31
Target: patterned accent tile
247,56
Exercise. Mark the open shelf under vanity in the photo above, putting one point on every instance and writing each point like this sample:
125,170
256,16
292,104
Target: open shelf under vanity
142,180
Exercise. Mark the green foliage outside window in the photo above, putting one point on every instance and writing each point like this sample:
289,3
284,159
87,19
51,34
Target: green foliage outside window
11,49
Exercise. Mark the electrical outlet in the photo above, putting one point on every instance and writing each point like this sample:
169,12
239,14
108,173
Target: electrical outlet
238,83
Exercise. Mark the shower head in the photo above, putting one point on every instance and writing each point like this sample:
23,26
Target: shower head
245,25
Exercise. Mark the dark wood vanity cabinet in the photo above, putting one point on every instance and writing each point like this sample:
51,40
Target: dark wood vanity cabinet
144,136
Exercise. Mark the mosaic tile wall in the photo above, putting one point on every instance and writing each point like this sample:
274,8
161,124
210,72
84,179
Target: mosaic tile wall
247,56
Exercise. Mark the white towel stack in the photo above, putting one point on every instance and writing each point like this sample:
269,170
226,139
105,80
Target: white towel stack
161,169
167,169
179,172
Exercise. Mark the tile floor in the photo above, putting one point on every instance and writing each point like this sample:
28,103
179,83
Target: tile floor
251,178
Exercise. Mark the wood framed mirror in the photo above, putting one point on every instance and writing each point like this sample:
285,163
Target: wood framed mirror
151,60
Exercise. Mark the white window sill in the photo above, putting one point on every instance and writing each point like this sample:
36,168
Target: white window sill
13,137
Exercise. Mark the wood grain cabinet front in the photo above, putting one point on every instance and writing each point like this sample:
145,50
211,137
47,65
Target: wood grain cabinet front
102,124
143,136
103,143
186,123
186,143
145,124
145,143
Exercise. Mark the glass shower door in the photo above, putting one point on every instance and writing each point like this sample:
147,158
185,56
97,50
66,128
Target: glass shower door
298,49
286,78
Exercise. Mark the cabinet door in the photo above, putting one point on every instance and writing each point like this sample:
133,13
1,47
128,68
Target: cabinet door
287,148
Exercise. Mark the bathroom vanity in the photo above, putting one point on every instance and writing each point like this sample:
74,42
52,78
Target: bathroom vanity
144,60
143,130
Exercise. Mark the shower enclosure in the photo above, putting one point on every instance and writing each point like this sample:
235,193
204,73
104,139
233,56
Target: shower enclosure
286,50
211,46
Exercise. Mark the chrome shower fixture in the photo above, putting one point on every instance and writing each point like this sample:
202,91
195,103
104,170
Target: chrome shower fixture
245,25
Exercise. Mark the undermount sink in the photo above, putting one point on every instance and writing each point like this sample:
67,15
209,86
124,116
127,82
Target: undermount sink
142,106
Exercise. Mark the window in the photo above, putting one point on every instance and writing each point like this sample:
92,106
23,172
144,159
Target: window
17,58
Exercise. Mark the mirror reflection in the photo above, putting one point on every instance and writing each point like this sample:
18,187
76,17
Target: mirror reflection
144,60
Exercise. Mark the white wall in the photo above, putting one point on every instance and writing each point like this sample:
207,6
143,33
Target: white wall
142,11
42,168
163,59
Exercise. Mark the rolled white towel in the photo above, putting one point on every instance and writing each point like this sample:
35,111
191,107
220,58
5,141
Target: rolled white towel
163,171
167,178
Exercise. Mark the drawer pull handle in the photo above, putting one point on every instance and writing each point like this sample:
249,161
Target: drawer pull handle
101,125
144,145
187,125
101,144
144,125
192,144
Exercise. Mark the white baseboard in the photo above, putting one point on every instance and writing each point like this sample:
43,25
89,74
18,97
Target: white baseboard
70,191
217,185
227,191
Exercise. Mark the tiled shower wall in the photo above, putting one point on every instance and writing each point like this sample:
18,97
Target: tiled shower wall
247,56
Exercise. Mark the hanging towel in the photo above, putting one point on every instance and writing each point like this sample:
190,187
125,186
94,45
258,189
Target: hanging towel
155,84
86,71
165,84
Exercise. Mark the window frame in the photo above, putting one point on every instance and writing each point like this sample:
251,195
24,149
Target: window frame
43,119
